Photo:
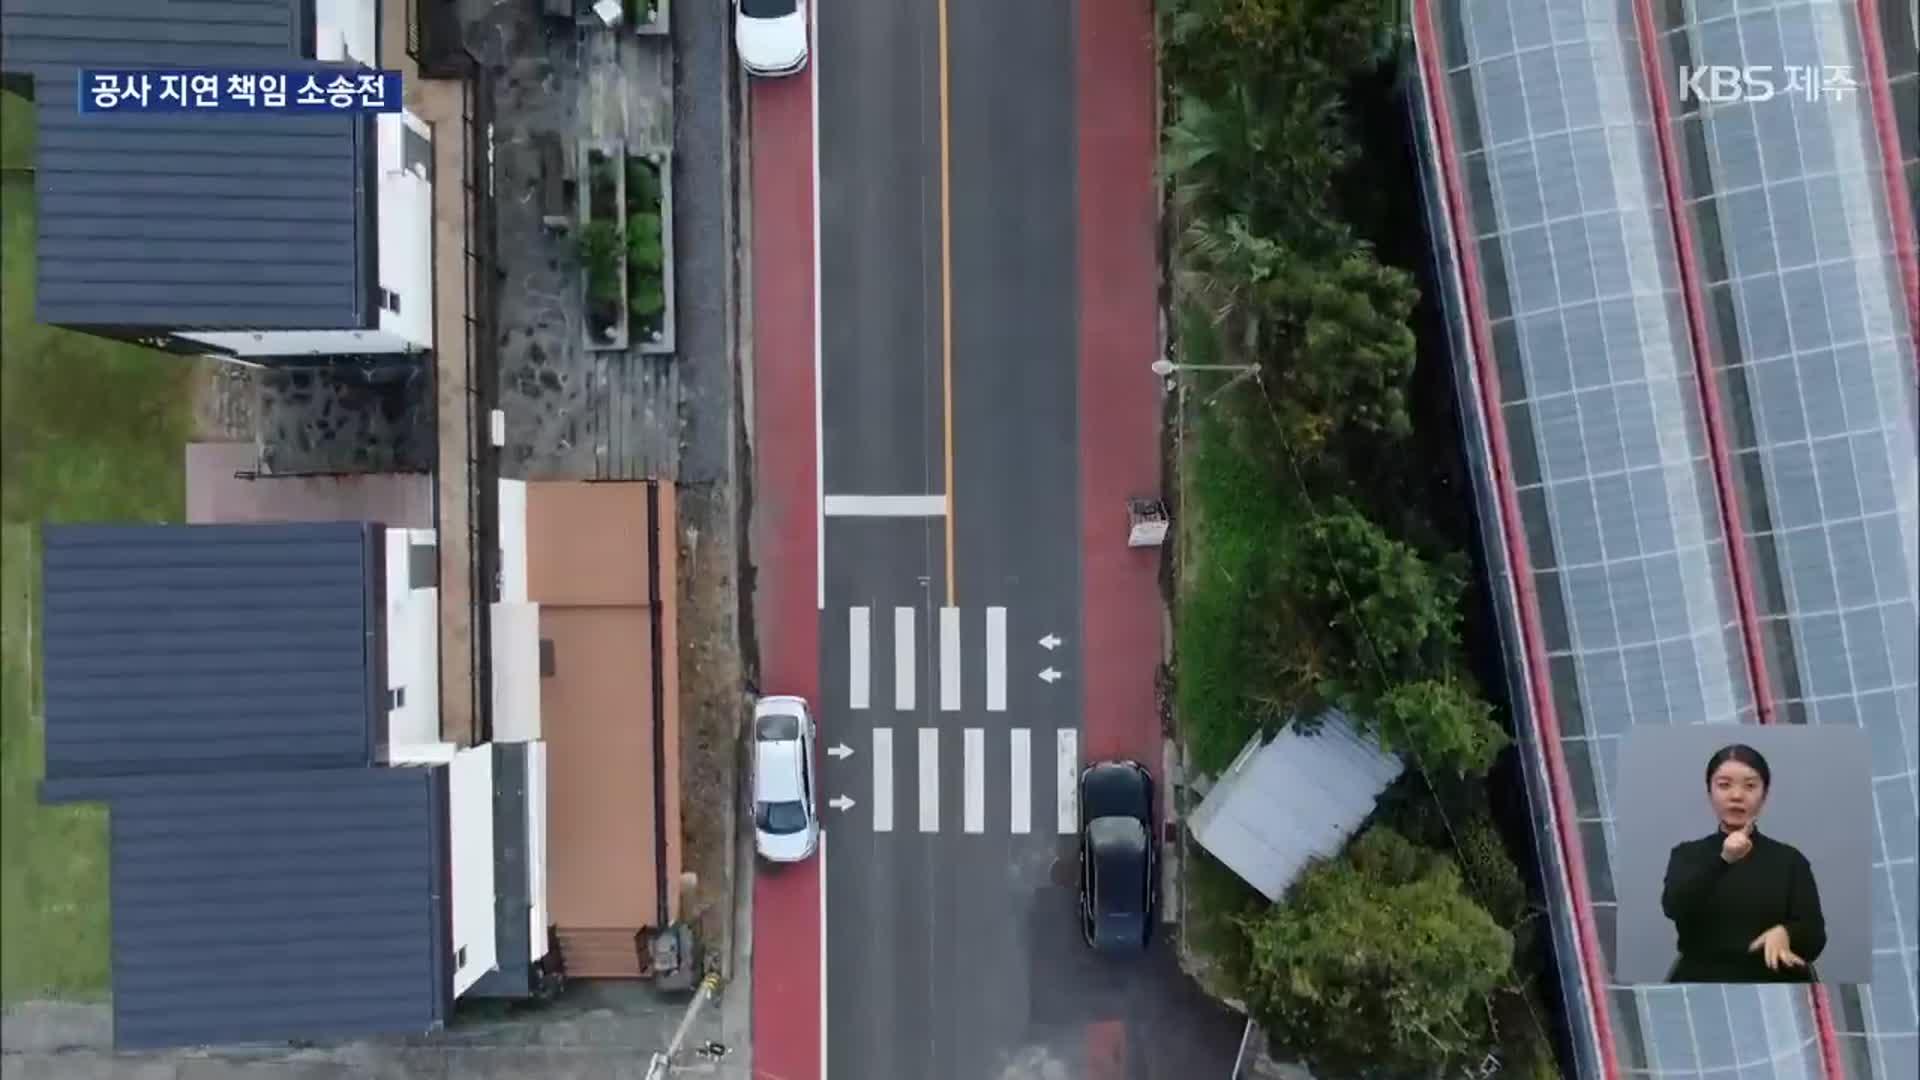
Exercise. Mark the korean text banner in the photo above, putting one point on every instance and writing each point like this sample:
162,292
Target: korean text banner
190,90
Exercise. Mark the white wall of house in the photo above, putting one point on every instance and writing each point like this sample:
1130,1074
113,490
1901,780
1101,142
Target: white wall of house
516,672
265,344
347,30
470,807
431,753
470,832
516,627
513,539
537,848
413,644
406,228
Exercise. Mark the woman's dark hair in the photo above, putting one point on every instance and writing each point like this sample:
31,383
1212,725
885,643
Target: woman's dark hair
1745,755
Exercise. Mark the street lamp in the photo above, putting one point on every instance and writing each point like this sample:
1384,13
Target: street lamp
1166,368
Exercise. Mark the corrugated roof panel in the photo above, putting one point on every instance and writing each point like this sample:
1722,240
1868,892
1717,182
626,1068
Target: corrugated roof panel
201,648
220,221
1293,799
279,905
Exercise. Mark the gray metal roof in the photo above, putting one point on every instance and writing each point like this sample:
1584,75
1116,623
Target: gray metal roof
1288,801
207,648
183,222
267,906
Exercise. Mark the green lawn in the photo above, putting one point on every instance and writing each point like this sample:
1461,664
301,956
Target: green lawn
89,431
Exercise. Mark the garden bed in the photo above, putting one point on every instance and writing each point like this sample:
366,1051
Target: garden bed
649,250
603,262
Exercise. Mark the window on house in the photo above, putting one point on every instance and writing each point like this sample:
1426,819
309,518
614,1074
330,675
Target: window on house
546,658
390,300
460,957
416,154
397,698
423,566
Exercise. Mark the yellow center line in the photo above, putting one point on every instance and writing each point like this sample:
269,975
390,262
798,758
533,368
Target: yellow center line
946,293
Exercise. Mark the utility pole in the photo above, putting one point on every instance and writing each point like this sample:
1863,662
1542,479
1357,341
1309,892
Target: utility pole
658,1068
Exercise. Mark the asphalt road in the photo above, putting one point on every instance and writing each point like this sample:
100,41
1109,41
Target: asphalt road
952,946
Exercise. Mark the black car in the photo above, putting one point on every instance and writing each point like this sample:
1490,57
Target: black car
1116,856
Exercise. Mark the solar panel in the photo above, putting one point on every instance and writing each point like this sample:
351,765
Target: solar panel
1814,366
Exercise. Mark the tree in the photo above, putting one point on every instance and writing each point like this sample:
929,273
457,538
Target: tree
1330,329
1393,613
1341,351
1377,963
1309,41
1441,722
1272,162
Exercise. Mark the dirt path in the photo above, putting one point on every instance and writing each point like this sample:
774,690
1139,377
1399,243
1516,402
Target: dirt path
713,707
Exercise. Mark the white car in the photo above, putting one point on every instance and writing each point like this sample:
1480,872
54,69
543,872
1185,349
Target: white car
770,35
786,821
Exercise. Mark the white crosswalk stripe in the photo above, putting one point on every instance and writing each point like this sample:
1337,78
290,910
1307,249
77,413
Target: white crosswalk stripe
981,756
1068,789
996,659
882,779
929,779
860,656
976,778
1020,812
903,668
950,659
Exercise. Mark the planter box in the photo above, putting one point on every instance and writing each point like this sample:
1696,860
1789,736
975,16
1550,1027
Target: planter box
649,191
603,199
658,25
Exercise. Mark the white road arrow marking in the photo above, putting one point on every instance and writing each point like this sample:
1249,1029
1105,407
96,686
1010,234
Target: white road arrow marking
1050,642
1050,675
840,802
842,751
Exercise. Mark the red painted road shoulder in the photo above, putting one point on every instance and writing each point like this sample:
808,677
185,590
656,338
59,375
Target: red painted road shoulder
786,901
1118,264
1119,409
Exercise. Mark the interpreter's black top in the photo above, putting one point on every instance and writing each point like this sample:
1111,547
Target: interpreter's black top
1718,908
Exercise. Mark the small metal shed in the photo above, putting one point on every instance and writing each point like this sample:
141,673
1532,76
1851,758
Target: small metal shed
1292,799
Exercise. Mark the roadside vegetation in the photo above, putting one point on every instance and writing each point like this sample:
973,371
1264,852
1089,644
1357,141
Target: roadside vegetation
1314,570
90,430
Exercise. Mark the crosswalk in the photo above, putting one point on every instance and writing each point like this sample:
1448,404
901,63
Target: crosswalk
948,636
973,779
982,756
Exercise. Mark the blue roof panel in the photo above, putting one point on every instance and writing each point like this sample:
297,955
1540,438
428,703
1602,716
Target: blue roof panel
206,648
255,221
271,906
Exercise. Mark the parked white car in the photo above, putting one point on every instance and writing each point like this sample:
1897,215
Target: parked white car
786,819
770,35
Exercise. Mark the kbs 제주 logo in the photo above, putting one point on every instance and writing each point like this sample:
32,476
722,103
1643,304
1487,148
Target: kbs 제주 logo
1726,84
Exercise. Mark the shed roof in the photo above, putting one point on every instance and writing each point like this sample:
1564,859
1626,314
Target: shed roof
1296,798
177,222
280,905
209,648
